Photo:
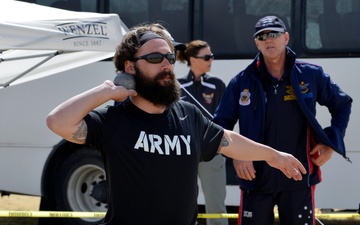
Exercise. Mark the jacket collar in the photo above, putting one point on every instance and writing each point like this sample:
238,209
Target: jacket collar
257,66
191,76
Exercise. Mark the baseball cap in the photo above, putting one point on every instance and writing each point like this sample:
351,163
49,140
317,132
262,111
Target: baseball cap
177,45
272,23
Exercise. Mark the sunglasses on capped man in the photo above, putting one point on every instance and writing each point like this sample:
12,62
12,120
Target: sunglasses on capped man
205,57
271,35
156,57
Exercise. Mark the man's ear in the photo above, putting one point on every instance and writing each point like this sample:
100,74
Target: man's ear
129,67
287,38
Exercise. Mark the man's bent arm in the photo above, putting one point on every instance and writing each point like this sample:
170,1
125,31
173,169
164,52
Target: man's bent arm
66,120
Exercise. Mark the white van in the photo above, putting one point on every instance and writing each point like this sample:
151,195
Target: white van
35,161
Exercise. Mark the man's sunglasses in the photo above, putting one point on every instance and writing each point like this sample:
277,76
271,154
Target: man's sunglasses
205,57
157,57
265,36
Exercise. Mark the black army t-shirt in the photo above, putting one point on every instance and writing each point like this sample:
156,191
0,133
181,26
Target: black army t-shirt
151,161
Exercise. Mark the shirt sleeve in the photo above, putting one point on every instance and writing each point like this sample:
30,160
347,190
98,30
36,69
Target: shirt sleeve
211,136
96,123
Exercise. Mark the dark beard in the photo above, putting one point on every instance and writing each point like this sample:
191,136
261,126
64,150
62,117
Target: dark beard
153,91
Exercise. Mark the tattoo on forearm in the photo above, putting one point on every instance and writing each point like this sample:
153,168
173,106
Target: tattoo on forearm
223,142
81,133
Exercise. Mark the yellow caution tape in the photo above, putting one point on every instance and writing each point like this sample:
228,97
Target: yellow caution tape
216,216
54,214
71,214
348,216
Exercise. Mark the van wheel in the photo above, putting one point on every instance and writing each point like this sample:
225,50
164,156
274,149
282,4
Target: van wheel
81,185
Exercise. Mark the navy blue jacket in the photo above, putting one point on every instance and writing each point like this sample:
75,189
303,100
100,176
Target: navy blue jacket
207,91
244,101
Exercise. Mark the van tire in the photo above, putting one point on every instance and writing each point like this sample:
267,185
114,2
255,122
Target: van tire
81,186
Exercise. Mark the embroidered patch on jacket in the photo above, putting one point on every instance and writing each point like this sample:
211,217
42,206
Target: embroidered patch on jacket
303,87
244,97
305,90
290,94
208,97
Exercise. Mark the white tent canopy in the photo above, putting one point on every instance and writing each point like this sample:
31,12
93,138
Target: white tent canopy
37,41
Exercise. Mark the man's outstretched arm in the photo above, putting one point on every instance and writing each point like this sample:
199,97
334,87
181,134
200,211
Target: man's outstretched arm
238,147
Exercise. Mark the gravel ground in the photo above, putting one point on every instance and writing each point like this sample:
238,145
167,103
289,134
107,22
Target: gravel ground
20,203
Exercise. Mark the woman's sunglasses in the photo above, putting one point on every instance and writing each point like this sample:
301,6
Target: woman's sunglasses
205,57
265,36
157,57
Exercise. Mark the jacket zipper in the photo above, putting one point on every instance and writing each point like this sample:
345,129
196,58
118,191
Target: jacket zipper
275,88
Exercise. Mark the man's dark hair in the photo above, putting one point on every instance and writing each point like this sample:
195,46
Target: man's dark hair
130,43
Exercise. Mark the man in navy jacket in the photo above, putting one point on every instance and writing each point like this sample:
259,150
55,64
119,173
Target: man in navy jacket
274,101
